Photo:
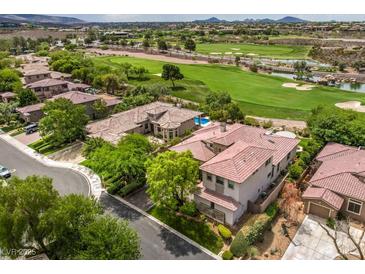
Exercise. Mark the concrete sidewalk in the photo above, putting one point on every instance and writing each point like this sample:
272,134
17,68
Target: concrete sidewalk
312,242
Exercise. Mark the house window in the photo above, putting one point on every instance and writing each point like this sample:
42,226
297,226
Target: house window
211,205
220,181
146,126
288,156
230,185
158,129
354,206
209,176
269,175
277,168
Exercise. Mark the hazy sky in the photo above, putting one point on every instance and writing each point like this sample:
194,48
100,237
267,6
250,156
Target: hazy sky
191,17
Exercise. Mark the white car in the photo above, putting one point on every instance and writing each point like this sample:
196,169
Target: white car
4,172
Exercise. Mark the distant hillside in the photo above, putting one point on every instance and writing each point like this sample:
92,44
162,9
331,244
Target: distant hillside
210,20
287,19
290,19
34,18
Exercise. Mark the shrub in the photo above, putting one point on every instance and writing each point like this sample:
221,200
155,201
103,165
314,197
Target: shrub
295,171
331,223
129,188
114,188
267,124
189,208
224,232
272,210
227,255
305,157
239,245
251,122
253,68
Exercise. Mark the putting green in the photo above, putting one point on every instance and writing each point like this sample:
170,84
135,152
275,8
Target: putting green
257,94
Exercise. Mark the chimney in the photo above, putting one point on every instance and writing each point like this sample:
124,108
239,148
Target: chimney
223,126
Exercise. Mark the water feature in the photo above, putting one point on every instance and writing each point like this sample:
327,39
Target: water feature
204,121
356,87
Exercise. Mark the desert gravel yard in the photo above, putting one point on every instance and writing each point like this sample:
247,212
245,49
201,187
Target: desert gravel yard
311,242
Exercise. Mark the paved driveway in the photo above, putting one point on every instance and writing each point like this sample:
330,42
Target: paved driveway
312,242
66,181
27,139
157,242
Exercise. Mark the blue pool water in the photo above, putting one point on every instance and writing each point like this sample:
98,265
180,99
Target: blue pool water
204,121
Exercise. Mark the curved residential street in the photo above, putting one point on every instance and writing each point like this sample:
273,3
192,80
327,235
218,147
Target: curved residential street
66,181
157,242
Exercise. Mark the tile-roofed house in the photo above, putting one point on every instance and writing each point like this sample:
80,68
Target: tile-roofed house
33,113
7,96
342,171
162,119
34,75
324,195
48,88
238,162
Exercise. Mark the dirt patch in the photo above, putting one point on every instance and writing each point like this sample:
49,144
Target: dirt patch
275,242
353,105
157,57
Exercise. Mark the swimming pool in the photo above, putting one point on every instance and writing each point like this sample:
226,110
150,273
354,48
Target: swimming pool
204,121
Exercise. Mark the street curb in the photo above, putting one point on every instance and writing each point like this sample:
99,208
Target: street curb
94,181
190,241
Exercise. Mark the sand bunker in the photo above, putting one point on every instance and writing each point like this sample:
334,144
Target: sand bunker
238,53
215,53
354,105
298,87
158,74
251,54
229,52
235,49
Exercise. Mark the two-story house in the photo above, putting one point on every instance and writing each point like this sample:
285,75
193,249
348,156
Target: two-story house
239,163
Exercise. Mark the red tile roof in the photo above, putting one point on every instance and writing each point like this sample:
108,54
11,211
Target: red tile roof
219,199
76,97
47,83
199,149
238,162
325,195
238,132
333,150
344,184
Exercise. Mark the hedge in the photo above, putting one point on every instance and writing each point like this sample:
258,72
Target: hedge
227,255
129,188
272,210
224,232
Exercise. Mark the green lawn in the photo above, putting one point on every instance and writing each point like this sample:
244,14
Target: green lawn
257,94
198,232
254,50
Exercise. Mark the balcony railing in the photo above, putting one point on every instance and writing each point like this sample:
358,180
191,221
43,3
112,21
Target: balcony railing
215,214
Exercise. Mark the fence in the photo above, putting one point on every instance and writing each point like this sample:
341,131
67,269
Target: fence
211,212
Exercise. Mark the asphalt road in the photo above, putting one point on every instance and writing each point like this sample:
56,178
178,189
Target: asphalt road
66,181
157,242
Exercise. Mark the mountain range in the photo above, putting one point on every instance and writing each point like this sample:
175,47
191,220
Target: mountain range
284,20
34,18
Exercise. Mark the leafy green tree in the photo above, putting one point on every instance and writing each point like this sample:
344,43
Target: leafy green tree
126,69
190,45
100,108
9,80
237,61
113,236
22,203
301,69
26,97
172,178
140,72
111,82
162,45
63,122
172,73
91,144
64,222
146,43
331,124
7,112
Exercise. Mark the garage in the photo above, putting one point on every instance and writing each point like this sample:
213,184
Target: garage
319,210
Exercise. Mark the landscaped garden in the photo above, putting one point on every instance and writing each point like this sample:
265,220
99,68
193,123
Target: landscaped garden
256,94
255,50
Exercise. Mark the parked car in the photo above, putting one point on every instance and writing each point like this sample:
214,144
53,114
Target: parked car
31,128
4,172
